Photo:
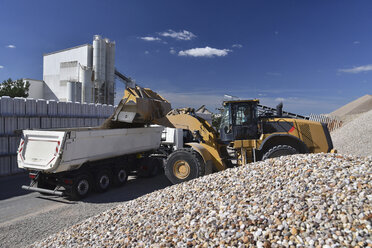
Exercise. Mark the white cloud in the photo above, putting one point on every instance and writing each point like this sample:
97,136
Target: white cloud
276,32
237,46
181,35
147,52
279,99
204,52
150,38
1,67
357,69
172,51
11,46
356,42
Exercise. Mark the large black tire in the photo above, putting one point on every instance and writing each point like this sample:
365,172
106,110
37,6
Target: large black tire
278,151
184,165
120,176
81,187
103,180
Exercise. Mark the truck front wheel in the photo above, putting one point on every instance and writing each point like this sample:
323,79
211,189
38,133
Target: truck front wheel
81,187
184,165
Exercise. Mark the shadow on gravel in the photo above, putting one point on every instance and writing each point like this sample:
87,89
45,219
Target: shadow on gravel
11,185
131,190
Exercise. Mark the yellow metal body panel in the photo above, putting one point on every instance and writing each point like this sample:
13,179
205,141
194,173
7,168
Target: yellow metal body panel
309,132
202,150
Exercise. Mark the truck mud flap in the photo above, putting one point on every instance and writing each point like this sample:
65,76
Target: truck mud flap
46,191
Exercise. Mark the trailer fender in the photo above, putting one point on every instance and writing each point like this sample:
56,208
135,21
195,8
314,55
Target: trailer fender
205,154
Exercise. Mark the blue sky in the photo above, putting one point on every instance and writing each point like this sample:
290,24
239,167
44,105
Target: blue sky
315,56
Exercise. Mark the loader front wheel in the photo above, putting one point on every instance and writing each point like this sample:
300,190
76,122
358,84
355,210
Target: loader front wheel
278,151
184,165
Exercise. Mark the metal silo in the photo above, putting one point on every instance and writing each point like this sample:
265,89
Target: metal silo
86,84
96,57
70,92
102,61
78,92
110,72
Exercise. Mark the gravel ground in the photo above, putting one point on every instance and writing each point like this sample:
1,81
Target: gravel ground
312,200
355,137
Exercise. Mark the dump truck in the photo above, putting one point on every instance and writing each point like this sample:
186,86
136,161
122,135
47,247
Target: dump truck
74,161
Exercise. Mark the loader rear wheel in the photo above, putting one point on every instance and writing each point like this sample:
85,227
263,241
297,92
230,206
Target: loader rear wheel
81,187
103,180
120,176
184,165
278,151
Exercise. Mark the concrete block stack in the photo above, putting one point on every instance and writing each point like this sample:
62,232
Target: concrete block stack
26,113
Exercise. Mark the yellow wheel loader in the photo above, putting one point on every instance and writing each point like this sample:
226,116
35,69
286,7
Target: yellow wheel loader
249,132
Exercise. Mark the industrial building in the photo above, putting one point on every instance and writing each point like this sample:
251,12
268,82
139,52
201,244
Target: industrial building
84,73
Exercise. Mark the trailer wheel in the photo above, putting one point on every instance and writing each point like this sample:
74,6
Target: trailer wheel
120,176
81,187
103,180
184,165
280,150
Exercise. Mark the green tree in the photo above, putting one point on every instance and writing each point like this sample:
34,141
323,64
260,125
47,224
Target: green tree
16,88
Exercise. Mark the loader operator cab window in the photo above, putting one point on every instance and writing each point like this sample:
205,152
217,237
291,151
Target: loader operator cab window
239,121
225,125
243,115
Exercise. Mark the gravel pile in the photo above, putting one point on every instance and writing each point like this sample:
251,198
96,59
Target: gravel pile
312,200
355,137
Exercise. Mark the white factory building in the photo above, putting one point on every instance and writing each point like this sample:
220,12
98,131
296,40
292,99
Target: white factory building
83,73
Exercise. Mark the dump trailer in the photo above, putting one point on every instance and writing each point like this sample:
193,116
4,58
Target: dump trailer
74,161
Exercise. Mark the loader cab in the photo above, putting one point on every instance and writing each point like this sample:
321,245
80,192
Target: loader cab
239,120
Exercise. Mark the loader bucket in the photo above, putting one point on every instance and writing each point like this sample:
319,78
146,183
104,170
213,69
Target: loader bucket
139,106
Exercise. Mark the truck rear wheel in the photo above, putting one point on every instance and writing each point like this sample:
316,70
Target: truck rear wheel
103,180
184,165
120,176
280,150
81,187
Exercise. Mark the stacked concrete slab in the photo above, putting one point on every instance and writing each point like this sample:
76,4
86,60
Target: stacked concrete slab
20,113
